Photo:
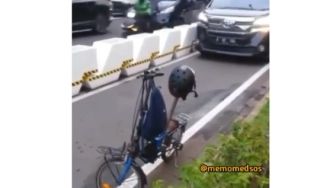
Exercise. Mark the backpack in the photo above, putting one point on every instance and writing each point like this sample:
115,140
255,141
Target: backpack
155,118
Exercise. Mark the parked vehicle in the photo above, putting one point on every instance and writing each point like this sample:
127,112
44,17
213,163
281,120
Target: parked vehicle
237,27
91,14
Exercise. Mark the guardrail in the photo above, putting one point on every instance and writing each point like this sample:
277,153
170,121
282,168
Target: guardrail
106,61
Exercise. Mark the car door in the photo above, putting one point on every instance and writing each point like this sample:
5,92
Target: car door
83,12
118,8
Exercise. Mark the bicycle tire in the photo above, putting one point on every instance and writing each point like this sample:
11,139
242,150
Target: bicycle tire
166,156
142,181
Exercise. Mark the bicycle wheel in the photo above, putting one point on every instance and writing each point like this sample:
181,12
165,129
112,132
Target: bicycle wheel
108,173
173,144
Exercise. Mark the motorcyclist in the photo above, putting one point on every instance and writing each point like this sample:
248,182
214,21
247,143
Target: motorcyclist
151,6
143,7
145,11
181,5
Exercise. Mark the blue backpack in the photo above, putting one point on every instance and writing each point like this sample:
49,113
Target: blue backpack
155,118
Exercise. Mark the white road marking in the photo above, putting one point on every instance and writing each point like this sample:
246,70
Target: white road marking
109,86
148,168
81,30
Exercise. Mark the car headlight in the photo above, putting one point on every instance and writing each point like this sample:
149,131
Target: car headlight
261,24
131,13
202,17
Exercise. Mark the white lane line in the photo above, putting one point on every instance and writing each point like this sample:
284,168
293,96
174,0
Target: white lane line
109,86
81,30
148,168
228,100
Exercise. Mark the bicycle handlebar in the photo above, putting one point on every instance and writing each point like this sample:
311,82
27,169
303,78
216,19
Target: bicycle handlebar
150,74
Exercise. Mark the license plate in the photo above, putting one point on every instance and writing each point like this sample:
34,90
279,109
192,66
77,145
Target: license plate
232,41
222,40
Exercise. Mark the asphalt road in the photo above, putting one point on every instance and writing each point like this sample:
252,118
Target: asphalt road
105,118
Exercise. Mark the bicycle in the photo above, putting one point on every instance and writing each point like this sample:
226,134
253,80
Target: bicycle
154,135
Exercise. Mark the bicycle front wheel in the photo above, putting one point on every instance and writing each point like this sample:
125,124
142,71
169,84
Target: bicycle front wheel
109,172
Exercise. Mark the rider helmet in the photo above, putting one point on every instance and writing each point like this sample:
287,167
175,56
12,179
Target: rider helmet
182,82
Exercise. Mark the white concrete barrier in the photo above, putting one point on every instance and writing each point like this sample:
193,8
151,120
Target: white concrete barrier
169,42
145,46
188,38
84,61
106,60
111,54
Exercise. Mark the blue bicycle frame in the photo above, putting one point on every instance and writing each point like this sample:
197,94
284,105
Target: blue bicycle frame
152,124
129,159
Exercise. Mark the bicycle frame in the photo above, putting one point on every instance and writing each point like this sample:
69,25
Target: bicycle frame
146,91
125,169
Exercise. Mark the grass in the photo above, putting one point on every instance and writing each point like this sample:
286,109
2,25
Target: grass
247,144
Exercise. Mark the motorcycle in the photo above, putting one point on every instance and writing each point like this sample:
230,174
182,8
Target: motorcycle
167,14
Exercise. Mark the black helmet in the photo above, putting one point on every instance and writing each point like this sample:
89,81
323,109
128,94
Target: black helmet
182,82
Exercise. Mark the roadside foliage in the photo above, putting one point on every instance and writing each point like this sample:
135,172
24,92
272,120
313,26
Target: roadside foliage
247,144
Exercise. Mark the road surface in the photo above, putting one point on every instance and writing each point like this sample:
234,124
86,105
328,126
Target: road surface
105,117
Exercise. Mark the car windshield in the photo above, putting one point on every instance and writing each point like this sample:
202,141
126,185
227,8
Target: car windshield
240,4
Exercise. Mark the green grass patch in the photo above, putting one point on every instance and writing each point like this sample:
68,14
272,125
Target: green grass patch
247,144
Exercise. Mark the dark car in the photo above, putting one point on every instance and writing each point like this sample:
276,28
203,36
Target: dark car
91,14
237,27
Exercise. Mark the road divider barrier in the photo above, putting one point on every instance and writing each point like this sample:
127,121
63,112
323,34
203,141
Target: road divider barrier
84,62
107,60
188,38
169,43
111,54
145,47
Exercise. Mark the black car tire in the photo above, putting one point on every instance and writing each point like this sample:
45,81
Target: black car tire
124,34
102,22
263,58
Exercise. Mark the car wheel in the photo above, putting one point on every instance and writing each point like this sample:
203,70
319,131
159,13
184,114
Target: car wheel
124,34
264,57
102,22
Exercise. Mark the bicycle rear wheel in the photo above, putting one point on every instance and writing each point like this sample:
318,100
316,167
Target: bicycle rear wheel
173,144
108,173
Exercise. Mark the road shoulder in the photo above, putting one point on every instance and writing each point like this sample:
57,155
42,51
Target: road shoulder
208,135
